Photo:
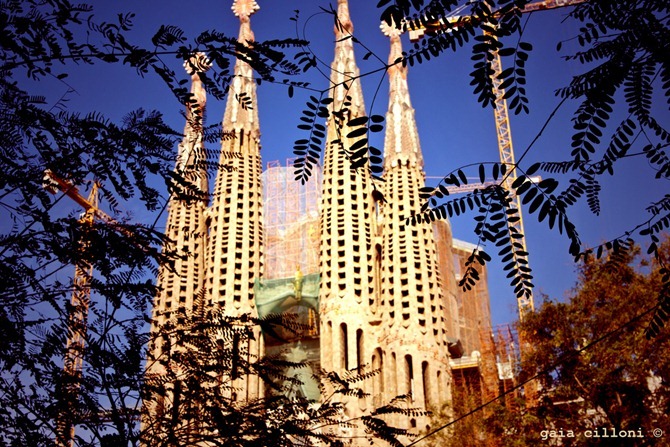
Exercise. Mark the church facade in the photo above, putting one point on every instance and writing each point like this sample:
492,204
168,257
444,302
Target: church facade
375,294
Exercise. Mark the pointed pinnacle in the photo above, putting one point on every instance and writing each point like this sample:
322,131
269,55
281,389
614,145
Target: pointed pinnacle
244,8
345,27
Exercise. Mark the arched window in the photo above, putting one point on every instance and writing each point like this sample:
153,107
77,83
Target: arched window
427,389
378,277
394,376
409,376
344,347
360,360
378,379
439,386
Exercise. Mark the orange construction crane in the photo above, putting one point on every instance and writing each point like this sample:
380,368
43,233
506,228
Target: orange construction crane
53,183
77,321
525,303
78,316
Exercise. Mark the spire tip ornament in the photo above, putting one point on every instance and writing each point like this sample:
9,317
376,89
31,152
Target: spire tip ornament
390,30
199,62
244,8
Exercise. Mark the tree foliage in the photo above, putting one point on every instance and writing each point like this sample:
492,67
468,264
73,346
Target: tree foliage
40,247
594,371
588,381
619,382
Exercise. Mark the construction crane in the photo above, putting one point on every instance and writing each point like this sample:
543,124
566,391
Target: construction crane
77,320
53,183
474,184
78,317
525,303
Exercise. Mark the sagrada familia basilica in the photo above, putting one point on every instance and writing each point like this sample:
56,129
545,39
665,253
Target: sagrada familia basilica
372,290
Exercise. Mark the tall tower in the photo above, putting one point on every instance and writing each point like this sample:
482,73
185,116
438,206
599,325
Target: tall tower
234,248
180,285
347,295
415,346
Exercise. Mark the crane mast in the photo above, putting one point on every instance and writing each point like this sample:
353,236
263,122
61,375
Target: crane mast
525,303
77,321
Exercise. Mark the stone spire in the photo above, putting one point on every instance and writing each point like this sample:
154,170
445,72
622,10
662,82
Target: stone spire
344,72
191,149
234,248
402,138
347,292
241,108
180,286
414,321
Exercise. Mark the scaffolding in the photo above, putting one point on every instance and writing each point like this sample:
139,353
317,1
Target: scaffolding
484,375
291,212
501,345
474,310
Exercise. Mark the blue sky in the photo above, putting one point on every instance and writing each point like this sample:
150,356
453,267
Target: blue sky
455,130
